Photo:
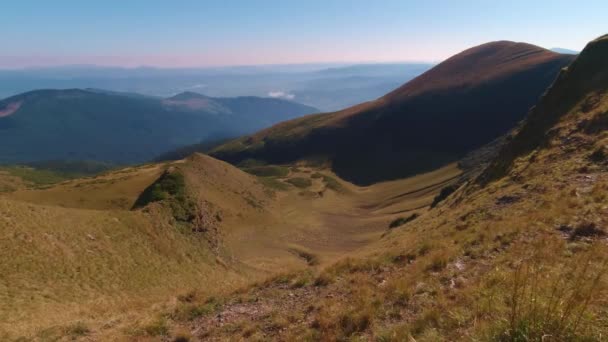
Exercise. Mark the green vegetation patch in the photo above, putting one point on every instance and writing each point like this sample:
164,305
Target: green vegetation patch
52,172
73,168
268,171
35,176
170,184
333,184
170,187
300,182
273,184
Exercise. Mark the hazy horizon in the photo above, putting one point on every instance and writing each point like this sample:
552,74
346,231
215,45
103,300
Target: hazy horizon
241,33
313,65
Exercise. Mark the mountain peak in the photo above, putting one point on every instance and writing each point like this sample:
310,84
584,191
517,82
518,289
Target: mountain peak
493,60
459,105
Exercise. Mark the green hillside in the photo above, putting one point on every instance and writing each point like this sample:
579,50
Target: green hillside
123,128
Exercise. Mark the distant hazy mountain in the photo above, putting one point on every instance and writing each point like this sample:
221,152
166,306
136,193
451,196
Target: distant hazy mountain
459,105
124,128
565,51
324,86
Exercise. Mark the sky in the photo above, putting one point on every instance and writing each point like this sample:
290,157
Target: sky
201,33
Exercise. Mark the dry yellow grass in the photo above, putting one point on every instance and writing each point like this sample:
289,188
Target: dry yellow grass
113,190
76,253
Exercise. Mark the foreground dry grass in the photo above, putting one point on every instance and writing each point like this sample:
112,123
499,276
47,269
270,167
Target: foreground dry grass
78,262
521,259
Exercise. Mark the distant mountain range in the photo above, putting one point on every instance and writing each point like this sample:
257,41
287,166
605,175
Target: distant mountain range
468,100
324,86
116,127
565,51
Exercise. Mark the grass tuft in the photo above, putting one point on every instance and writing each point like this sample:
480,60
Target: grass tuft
157,328
552,302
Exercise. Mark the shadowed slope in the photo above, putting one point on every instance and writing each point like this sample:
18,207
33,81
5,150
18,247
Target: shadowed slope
463,103
586,78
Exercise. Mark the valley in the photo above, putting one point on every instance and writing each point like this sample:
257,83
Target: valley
446,185
111,252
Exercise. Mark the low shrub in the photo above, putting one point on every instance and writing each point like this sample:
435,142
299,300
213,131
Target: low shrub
552,300
268,171
333,184
300,182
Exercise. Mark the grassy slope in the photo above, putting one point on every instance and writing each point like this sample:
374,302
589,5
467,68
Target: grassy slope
113,190
44,174
75,252
79,258
519,256
63,265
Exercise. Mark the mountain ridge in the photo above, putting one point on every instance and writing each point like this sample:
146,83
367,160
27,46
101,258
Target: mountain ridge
78,124
407,126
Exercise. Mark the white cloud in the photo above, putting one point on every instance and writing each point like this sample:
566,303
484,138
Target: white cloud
281,95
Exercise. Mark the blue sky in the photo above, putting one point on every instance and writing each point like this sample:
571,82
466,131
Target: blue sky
240,32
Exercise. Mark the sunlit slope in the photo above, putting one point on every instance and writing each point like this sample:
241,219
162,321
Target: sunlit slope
58,262
77,250
112,190
85,250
